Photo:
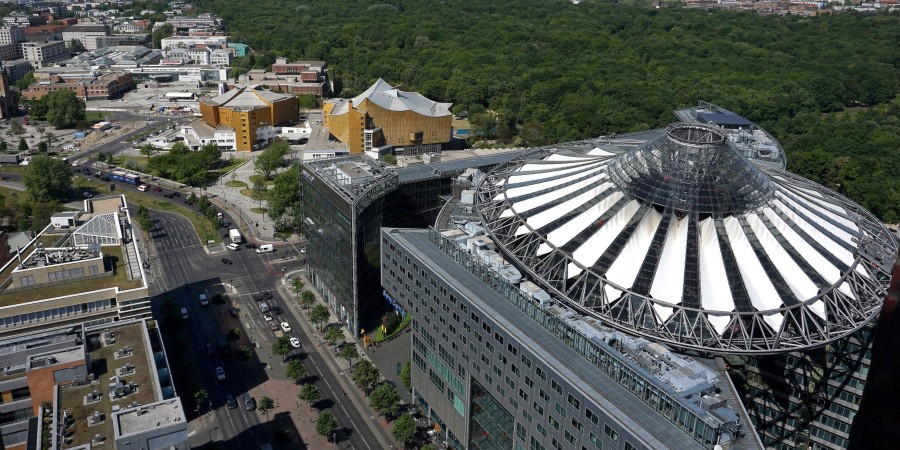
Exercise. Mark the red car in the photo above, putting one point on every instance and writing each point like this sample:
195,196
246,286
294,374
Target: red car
157,189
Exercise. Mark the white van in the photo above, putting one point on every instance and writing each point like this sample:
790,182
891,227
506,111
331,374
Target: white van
184,313
265,248
203,300
264,307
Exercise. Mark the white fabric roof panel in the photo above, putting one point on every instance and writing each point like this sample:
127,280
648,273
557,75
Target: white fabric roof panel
570,229
592,249
714,288
808,236
668,284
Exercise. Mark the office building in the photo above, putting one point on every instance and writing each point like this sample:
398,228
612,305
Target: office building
346,202
85,267
85,386
90,86
385,119
8,106
679,241
874,427
248,113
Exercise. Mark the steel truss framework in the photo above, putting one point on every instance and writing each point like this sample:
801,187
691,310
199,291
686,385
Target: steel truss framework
838,309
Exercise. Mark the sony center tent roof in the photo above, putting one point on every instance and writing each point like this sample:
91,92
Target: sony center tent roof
684,240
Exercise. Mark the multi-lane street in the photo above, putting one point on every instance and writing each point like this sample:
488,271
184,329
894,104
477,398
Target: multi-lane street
182,269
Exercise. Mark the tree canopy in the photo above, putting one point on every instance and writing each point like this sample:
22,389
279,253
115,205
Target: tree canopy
385,400
185,166
61,108
404,430
528,72
284,197
47,179
272,158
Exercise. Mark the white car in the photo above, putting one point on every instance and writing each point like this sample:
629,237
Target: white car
220,374
286,327
295,342
233,246
267,318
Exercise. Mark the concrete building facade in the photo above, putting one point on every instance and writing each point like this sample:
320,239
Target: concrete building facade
40,54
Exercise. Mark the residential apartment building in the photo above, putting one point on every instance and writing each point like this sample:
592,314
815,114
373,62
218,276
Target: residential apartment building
220,57
190,41
85,86
11,35
382,116
40,54
16,69
85,383
88,268
82,33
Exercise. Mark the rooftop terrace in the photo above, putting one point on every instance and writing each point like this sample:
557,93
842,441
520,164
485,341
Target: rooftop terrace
122,380
112,258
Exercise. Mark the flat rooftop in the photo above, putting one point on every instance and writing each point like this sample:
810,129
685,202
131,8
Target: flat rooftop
137,386
595,384
148,417
112,256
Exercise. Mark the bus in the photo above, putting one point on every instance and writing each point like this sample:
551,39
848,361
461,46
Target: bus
125,177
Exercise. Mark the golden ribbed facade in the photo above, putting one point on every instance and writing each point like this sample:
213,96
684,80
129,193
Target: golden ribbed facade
246,117
400,126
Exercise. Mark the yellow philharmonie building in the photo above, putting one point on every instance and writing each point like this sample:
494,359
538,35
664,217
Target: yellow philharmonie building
385,116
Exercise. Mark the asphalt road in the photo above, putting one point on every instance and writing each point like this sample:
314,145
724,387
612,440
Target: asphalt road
181,264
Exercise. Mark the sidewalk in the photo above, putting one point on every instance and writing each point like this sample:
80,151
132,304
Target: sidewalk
340,368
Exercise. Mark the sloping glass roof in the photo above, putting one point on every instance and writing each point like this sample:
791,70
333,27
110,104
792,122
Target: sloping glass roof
103,229
684,240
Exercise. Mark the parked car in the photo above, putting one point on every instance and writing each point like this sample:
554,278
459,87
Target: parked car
227,261
232,313
249,245
176,194
210,349
249,402
220,374
157,189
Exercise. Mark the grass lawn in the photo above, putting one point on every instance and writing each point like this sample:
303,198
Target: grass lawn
112,257
12,169
120,160
94,116
403,324
252,194
259,210
204,229
259,178
231,164
6,192
236,184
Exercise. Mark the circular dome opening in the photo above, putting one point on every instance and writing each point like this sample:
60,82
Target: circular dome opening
695,135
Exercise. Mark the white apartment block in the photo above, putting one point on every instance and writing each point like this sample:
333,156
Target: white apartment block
82,34
190,41
40,54
220,57
11,35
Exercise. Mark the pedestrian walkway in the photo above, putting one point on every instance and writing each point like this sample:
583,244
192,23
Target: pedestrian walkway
341,368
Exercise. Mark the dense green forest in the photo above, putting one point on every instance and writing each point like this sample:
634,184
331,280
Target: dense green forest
543,71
